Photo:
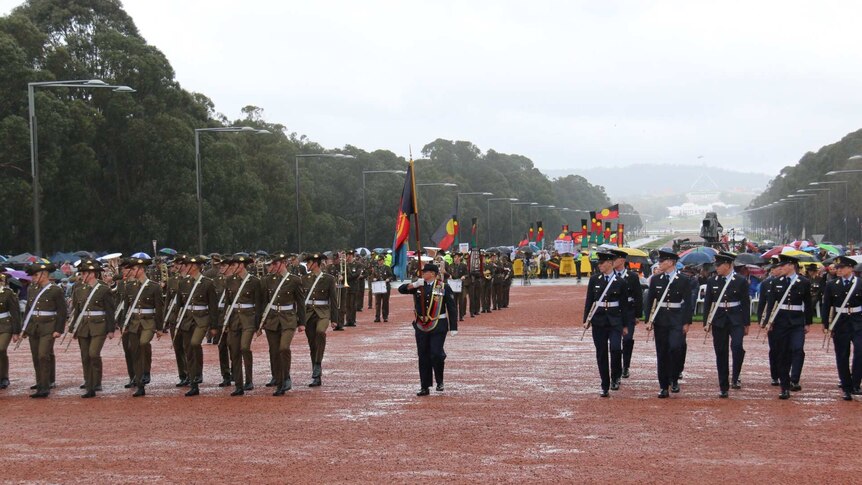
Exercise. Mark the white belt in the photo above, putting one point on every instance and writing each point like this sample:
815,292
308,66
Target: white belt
5,315
855,309
198,308
668,304
221,305
94,313
728,304
244,306
282,308
608,304
792,308
44,314
631,299
144,311
441,316
319,302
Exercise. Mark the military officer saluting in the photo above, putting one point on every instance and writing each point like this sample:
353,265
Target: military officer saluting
145,314
93,305
319,289
244,296
198,314
44,319
842,320
604,311
790,315
436,313
726,309
633,310
284,311
670,310
10,327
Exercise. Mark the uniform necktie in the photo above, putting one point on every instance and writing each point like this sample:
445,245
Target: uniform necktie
846,283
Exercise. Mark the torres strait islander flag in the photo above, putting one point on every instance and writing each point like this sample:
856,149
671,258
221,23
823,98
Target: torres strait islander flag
406,208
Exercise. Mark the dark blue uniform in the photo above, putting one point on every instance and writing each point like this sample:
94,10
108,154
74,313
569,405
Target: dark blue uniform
633,311
765,288
429,345
729,322
789,328
675,312
607,323
847,330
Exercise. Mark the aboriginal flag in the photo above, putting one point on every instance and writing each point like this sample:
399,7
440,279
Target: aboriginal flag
444,236
620,232
608,232
406,208
608,213
585,240
540,235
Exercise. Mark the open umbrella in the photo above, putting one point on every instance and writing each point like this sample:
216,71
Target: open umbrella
802,256
831,249
693,258
168,251
23,258
749,258
363,252
141,255
700,249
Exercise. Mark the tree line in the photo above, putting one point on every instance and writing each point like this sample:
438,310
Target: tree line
117,170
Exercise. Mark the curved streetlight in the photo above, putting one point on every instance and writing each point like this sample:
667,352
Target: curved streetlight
199,178
364,213
846,184
34,137
296,174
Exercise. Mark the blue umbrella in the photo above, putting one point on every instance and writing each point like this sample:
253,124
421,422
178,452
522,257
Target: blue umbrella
141,255
697,258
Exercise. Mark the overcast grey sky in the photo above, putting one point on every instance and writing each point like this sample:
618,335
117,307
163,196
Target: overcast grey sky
746,85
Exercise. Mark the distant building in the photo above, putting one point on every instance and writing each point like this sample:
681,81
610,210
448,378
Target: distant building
703,198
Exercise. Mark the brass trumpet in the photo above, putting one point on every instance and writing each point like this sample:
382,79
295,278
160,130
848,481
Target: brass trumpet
342,260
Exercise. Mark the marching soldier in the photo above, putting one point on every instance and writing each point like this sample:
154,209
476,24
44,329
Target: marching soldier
198,314
319,289
632,312
508,275
119,295
842,320
354,289
295,267
381,272
432,322
10,327
44,319
145,311
792,318
244,297
225,271
177,279
605,310
670,294
726,310
765,288
284,311
476,283
215,272
497,282
339,299
93,305
488,283
460,271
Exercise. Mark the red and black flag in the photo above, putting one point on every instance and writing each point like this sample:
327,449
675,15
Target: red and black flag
474,231
595,228
607,232
620,232
540,235
406,208
444,236
584,233
608,213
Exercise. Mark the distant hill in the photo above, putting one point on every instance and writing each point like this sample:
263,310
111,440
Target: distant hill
653,179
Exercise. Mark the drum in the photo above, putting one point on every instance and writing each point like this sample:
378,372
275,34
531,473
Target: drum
378,287
455,285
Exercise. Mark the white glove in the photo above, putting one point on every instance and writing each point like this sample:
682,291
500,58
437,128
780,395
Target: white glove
453,333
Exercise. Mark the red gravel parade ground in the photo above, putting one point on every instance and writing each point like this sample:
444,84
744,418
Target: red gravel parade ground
521,405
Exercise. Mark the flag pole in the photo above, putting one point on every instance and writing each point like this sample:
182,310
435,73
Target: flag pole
416,223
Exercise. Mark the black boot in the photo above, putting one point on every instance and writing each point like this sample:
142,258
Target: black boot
146,379
271,382
237,392
4,383
140,392
184,381
226,382
248,386
129,384
316,373
194,391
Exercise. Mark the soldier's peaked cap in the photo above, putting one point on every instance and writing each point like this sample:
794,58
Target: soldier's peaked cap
605,256
667,254
724,257
787,259
844,261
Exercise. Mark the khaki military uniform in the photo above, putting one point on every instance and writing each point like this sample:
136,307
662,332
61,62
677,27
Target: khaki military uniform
220,283
10,324
286,312
119,292
337,305
47,315
94,321
201,316
143,320
318,315
172,312
356,283
247,303
459,271
381,272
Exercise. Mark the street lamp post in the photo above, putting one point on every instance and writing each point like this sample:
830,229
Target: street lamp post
458,206
199,178
364,213
846,184
296,175
828,203
488,232
34,137
512,216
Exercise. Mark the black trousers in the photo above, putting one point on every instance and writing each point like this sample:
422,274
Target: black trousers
728,336
842,337
381,303
429,347
604,338
487,290
668,349
628,344
789,342
475,297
